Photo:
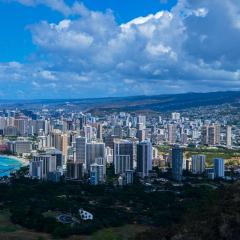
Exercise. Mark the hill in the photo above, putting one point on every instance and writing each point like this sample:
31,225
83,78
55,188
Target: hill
167,102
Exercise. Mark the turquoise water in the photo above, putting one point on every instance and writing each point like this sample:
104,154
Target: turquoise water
8,164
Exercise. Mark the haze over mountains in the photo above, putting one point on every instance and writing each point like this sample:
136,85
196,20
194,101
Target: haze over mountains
133,103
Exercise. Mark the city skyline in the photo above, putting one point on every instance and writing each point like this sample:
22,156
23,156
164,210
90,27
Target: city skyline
119,119
73,49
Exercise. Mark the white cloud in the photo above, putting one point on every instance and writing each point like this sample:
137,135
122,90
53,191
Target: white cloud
47,75
194,47
201,12
57,5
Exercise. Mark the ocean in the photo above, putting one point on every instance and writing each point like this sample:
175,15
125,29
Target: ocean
8,164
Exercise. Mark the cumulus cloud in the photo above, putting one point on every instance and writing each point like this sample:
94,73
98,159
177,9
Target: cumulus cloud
193,47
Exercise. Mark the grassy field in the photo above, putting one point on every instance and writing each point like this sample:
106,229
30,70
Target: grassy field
232,157
9,231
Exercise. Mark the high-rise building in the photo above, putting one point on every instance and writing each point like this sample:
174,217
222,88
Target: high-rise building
82,121
177,163
94,151
204,135
109,141
219,167
122,164
56,139
214,134
171,133
129,177
195,134
159,119
99,132
144,158
109,155
176,116
141,120
96,174
58,155
211,134
88,132
198,164
124,148
40,125
75,170
42,142
117,131
229,136
184,138
217,128
140,126
22,146
3,123
141,135
21,125
41,165
64,146
81,143
10,131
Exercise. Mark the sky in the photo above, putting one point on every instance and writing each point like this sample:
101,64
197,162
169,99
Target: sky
103,48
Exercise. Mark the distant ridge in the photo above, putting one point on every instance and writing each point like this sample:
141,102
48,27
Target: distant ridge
163,102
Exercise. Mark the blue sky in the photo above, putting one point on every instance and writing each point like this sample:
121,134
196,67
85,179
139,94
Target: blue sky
16,41
96,48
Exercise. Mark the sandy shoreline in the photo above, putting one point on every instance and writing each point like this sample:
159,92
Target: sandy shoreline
23,161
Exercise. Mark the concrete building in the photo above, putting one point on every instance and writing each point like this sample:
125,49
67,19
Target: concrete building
177,163
99,132
64,146
88,132
58,154
141,135
124,148
141,120
75,170
144,158
204,135
22,146
109,155
198,164
94,151
211,134
81,145
219,167
129,177
171,133
122,163
117,131
41,165
176,116
96,174
228,136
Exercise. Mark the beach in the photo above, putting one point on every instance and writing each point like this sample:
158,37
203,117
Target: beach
10,163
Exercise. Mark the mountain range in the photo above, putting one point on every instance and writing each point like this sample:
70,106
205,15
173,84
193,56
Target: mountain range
166,102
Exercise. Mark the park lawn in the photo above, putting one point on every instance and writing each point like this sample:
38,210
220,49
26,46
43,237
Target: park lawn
210,155
232,157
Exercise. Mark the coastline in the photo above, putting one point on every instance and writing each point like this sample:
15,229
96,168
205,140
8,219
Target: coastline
23,161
